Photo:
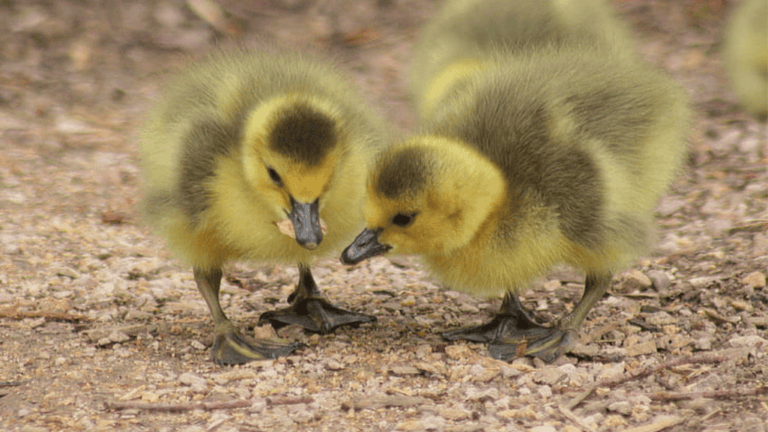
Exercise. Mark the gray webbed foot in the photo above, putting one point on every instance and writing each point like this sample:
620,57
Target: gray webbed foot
513,333
230,347
309,309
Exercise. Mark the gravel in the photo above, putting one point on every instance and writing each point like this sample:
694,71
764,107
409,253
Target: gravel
102,329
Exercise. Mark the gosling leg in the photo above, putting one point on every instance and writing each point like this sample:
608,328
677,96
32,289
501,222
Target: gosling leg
549,343
311,310
229,346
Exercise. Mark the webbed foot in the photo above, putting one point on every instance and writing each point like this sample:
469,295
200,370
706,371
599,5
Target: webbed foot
315,315
546,343
230,347
511,319
488,332
512,333
311,310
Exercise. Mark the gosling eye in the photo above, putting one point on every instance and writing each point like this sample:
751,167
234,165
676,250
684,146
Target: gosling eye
403,220
274,176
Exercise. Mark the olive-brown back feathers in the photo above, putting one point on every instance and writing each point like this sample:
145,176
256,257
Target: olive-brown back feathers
478,30
511,113
513,133
515,26
204,143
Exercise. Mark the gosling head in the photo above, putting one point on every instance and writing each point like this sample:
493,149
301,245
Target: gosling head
428,196
291,146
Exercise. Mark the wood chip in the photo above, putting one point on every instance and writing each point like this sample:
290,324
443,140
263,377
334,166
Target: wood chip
111,217
361,37
210,12
713,394
719,317
755,279
286,227
750,226
95,334
435,368
404,370
289,400
574,418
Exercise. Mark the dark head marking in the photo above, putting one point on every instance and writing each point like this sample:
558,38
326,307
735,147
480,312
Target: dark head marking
403,172
303,134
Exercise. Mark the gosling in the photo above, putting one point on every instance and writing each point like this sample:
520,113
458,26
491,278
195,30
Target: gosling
260,156
539,154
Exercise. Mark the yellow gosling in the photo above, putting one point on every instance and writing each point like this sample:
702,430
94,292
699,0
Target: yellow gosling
243,144
554,153
745,52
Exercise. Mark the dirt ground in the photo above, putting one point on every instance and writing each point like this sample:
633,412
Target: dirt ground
102,329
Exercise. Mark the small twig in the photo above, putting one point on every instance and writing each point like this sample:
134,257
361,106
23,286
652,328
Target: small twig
215,425
179,407
661,423
581,396
644,372
576,419
711,394
599,332
711,414
750,226
644,325
12,313
10,384
289,400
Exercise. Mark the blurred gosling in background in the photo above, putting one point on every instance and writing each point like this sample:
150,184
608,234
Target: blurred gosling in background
745,53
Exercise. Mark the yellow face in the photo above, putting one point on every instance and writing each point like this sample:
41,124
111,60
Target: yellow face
289,154
445,211
427,224
278,179
277,176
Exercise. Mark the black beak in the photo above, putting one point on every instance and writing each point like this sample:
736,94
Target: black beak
306,223
365,246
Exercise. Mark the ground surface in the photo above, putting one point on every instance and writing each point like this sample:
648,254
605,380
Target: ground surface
101,329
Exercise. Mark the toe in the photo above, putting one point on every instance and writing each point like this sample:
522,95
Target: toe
232,348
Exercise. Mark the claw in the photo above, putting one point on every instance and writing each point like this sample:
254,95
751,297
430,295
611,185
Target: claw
513,333
545,343
315,315
311,310
484,333
231,348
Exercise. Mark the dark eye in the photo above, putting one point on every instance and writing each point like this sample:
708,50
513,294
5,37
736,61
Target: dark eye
274,176
403,220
